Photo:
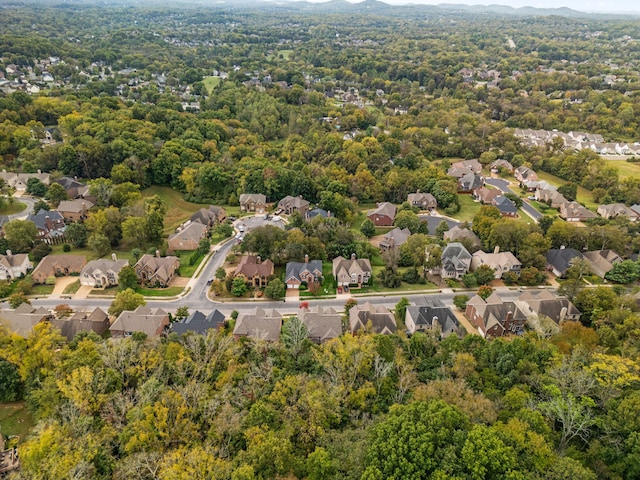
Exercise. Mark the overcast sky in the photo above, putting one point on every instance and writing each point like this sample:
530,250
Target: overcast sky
581,5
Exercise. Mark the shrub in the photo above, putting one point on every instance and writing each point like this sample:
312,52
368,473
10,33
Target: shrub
66,247
51,280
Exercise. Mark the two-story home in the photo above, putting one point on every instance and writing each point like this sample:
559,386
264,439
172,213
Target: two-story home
544,303
19,180
486,195
506,206
559,260
494,317
73,187
552,197
151,321
74,210
254,271
289,205
351,272
424,201
156,270
470,182
523,174
432,316
323,323
303,272
455,261
188,237
394,239
14,266
198,322
49,224
253,202
209,216
499,262
463,235
602,261
383,215
22,319
102,273
259,324
501,165
574,212
96,321
617,210
371,318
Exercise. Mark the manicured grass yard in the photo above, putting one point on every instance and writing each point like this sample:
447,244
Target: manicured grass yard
15,419
160,292
72,287
178,209
625,169
584,195
42,289
211,82
13,207
468,209
187,270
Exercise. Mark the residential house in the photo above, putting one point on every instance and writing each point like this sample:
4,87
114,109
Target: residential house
602,261
559,260
19,180
260,324
424,201
501,165
14,266
253,202
96,321
59,265
551,197
470,182
198,322
544,303
523,174
383,215
289,205
323,323
455,261
494,317
464,167
209,216
506,206
463,235
486,195
156,270
433,316
74,188
617,210
533,185
499,262
636,208
303,272
102,273
395,238
351,272
318,212
371,318
254,271
74,210
151,321
574,212
22,320
188,238
49,224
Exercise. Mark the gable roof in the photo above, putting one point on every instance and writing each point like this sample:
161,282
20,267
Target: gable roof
458,233
22,319
384,209
602,261
65,261
96,321
74,206
382,320
260,324
353,265
41,218
457,251
194,231
104,265
434,312
142,319
576,210
395,237
561,259
323,323
251,266
505,205
161,267
293,202
198,322
616,210
470,181
294,269
496,260
494,311
543,302
11,260
252,197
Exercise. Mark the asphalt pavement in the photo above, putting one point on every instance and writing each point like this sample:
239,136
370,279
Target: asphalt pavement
504,186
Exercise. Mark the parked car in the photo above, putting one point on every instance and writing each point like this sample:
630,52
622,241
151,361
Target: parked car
276,218
241,228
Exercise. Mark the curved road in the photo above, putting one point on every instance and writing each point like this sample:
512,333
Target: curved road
504,186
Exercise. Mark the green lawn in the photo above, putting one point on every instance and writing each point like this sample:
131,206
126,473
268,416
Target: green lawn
42,289
178,209
584,195
625,169
160,292
468,209
187,270
15,419
72,288
280,54
91,255
379,288
12,207
210,83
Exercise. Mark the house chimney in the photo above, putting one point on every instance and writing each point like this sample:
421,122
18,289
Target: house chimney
563,313
9,253
507,320
47,222
497,249
258,259
562,247
114,257
353,256
39,171
158,253
306,258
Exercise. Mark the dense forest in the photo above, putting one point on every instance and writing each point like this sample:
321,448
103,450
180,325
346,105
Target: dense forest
346,107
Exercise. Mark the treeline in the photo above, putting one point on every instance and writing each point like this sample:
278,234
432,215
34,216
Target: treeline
545,406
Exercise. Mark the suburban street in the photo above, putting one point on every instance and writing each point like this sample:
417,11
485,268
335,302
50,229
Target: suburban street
504,186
